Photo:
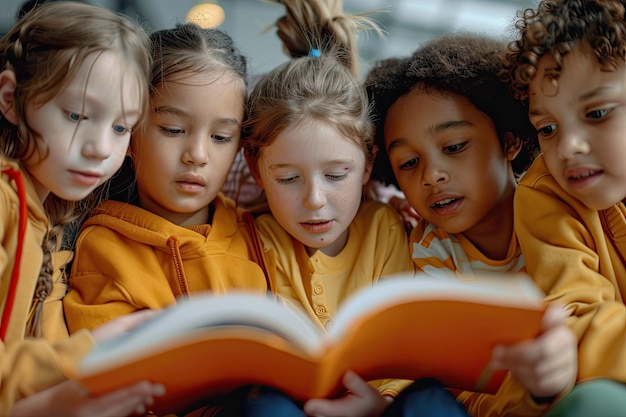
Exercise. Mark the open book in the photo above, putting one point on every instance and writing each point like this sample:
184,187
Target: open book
402,327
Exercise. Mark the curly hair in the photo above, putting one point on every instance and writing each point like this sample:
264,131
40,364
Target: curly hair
557,26
466,65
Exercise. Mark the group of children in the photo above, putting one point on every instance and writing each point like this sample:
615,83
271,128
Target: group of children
511,155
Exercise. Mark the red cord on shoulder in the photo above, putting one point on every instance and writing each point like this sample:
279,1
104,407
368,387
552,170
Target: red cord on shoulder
16,176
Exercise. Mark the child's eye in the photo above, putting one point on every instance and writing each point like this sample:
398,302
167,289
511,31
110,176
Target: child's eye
119,129
455,148
221,139
409,164
597,114
75,117
171,132
286,180
336,177
546,130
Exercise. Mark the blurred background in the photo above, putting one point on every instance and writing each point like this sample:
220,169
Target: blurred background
407,22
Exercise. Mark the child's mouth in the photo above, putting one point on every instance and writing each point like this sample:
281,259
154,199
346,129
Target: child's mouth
445,202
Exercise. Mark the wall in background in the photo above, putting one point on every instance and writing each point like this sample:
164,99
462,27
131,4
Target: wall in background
407,22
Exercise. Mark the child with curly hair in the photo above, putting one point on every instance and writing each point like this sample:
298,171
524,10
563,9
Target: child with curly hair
568,65
454,140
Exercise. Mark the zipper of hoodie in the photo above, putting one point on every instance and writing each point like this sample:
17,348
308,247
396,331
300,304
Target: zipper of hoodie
172,242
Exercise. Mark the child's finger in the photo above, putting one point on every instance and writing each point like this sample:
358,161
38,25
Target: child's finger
554,316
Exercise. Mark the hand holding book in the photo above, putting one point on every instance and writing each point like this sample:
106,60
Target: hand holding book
403,327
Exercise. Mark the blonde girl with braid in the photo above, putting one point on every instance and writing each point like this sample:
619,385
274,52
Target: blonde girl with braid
309,142
73,86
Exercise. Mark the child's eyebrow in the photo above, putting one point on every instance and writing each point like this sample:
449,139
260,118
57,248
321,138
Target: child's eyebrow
585,96
178,112
331,162
395,143
452,124
169,109
593,93
435,129
229,121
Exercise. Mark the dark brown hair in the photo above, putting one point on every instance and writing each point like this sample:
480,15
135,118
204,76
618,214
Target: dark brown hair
465,65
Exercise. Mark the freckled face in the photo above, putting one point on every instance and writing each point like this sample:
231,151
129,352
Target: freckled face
581,127
313,178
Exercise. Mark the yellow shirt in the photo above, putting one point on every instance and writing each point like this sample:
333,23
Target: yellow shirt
376,247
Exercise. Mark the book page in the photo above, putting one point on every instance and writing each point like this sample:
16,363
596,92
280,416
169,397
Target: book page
206,311
410,328
505,290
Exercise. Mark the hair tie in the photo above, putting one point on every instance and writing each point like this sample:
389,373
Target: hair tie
315,53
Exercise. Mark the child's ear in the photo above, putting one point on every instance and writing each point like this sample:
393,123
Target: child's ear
254,168
7,95
512,146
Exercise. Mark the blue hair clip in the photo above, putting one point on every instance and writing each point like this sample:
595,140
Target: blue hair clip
315,53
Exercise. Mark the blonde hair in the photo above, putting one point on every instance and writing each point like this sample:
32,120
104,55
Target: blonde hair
325,88
45,49
323,21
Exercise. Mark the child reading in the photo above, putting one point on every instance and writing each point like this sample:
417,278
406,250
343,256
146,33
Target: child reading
568,64
178,235
308,140
73,86
454,139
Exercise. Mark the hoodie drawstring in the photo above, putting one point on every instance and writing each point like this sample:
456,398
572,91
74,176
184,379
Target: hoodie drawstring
16,176
172,242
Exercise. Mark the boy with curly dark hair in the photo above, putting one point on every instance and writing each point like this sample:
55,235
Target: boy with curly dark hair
568,64
455,140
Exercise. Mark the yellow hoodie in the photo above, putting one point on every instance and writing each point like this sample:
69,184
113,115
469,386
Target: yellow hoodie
577,256
129,259
29,365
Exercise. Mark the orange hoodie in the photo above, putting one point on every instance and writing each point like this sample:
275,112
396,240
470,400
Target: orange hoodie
129,259
30,365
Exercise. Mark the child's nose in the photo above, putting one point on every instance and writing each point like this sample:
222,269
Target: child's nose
196,152
572,142
434,174
314,195
99,144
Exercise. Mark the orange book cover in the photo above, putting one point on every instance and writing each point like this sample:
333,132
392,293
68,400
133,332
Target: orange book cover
403,327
